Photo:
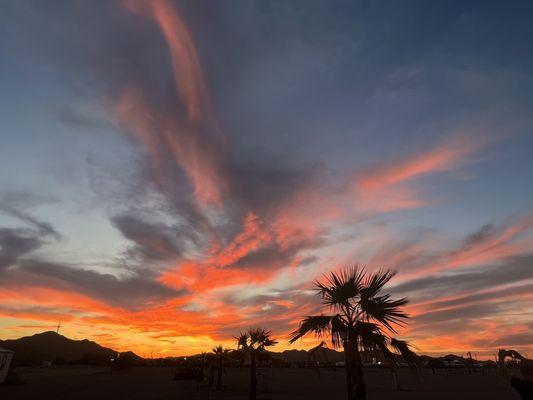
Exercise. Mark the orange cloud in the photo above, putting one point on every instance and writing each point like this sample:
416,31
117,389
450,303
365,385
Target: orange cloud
494,247
193,140
252,237
205,277
377,190
501,243
446,157
187,69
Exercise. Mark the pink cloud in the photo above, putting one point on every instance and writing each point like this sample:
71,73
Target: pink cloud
447,156
192,137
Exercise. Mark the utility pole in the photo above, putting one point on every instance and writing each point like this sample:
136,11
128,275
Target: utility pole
58,326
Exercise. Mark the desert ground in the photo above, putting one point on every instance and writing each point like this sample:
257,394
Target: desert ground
157,383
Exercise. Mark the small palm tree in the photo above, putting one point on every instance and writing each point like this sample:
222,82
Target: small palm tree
361,321
253,343
206,361
221,355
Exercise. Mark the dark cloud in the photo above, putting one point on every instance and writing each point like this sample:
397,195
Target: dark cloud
278,255
515,339
22,200
77,119
278,321
409,250
481,235
15,243
413,250
281,317
263,185
44,228
488,295
18,242
512,270
155,242
458,313
443,327
295,295
44,313
137,290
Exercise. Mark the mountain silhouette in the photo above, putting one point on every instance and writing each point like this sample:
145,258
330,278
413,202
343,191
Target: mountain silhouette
58,349
53,347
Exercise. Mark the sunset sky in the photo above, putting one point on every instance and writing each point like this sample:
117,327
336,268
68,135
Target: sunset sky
174,172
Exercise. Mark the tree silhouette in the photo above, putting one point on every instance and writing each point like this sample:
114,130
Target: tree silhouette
253,343
221,355
361,320
206,360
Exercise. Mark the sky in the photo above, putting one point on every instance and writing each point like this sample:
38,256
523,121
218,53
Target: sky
174,172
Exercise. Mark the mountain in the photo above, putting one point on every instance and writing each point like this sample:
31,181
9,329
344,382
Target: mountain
51,346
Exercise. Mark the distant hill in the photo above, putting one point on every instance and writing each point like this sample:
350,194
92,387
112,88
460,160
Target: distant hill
58,349
50,346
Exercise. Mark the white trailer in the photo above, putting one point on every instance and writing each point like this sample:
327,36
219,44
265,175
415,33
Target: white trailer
5,361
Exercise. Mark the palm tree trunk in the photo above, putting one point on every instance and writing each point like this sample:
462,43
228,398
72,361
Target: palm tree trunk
253,378
358,379
347,365
220,367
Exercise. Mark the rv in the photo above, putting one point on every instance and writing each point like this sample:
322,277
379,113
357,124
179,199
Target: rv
5,361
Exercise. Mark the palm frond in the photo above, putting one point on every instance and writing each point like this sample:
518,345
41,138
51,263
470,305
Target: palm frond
363,328
405,350
220,352
338,331
369,334
259,338
376,281
318,324
373,340
242,340
339,287
321,326
268,342
363,313
385,310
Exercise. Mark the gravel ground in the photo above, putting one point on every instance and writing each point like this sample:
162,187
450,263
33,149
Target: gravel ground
274,384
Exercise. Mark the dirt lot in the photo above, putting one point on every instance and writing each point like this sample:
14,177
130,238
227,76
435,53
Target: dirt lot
157,383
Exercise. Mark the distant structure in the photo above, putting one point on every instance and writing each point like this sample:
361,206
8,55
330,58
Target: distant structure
58,326
5,361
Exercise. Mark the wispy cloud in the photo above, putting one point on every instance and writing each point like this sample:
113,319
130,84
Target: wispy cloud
450,155
184,127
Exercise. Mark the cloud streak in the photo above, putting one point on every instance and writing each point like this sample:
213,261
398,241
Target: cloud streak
447,156
186,130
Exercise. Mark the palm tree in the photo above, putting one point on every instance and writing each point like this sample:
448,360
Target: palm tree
362,319
221,354
253,343
206,361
